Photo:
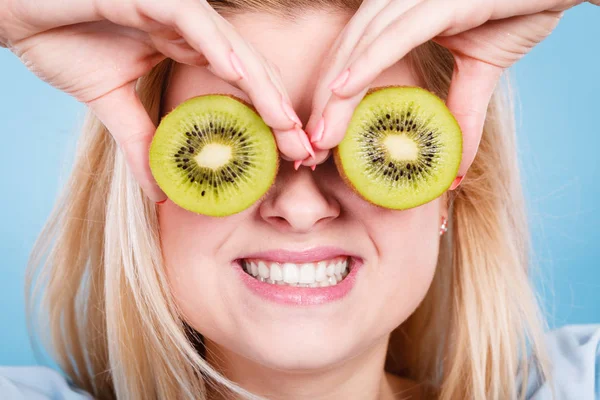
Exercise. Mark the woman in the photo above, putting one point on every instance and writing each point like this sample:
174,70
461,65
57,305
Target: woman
145,300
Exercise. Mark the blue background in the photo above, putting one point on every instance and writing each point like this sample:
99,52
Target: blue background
558,87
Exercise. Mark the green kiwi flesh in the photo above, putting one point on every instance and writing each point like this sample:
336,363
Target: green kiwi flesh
214,155
402,147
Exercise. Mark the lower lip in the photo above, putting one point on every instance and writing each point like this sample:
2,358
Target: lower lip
301,296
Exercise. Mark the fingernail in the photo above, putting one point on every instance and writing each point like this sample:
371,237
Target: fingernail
289,111
297,164
237,65
319,130
313,167
340,80
161,202
305,142
456,182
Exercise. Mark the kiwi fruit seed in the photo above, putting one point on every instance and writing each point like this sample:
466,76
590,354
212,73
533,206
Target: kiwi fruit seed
402,147
214,155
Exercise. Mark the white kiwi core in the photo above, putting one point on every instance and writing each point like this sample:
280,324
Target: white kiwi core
214,156
401,147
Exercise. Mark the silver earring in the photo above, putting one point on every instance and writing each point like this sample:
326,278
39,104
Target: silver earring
444,227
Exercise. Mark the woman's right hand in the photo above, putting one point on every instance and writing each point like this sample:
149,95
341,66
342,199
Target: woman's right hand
95,50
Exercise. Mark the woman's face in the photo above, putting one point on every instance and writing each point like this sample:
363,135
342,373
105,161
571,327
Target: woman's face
306,218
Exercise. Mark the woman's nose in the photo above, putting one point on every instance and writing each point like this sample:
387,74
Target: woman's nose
297,204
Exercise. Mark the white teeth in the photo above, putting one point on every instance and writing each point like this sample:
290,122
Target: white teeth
290,273
330,269
276,273
317,274
320,274
263,270
307,273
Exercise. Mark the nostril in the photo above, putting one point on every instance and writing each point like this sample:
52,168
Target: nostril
278,221
299,207
325,220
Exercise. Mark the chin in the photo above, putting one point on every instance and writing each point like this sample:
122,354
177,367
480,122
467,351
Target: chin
299,352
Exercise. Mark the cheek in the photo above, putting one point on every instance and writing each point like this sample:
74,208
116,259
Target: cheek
195,255
407,245
180,232
406,242
186,236
409,240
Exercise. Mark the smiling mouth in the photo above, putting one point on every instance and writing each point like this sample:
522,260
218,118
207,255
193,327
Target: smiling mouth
315,274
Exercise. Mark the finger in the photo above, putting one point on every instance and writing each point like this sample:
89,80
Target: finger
408,31
201,33
336,117
422,23
188,18
123,114
269,96
320,157
488,42
45,15
337,57
294,145
473,83
339,118
378,23
411,29
214,36
232,60
270,101
178,50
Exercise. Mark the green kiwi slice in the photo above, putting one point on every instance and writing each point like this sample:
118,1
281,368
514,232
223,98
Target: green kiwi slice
402,147
214,155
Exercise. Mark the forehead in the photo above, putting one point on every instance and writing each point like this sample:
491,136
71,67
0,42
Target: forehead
299,48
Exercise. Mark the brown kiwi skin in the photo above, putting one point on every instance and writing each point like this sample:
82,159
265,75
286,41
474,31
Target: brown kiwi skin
247,104
336,156
244,102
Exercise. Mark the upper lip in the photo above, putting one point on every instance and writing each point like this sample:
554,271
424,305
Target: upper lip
304,256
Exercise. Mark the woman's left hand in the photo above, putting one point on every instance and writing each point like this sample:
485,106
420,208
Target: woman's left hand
485,37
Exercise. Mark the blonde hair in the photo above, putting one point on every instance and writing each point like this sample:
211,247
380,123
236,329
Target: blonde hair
98,284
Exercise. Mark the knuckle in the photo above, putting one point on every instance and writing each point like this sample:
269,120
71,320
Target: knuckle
346,45
371,32
275,68
371,58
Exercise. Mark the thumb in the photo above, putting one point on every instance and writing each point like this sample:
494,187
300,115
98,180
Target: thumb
125,117
473,83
